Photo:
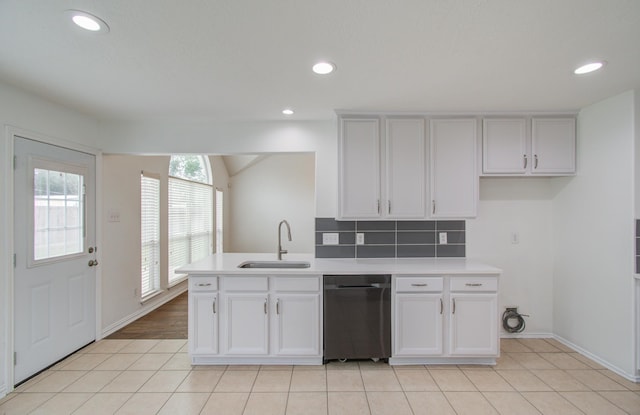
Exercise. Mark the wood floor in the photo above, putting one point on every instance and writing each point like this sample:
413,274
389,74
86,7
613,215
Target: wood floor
169,321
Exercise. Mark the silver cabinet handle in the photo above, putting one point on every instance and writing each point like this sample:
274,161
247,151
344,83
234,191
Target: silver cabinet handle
389,206
265,306
535,161
278,306
419,285
433,208
378,206
473,284
453,309
441,306
525,161
213,306
203,284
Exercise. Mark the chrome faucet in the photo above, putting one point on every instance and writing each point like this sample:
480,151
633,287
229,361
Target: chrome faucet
280,250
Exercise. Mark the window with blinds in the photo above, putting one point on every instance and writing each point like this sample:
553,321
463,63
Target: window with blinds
150,234
190,223
219,221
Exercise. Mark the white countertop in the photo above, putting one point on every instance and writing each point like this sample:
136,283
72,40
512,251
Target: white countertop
228,264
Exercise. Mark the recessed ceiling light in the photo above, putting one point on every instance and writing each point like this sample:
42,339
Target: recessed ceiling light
324,68
589,67
88,21
287,111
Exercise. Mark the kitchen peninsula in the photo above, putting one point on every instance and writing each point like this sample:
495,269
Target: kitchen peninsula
443,310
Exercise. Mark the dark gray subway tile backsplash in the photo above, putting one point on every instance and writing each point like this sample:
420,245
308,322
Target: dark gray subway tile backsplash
391,239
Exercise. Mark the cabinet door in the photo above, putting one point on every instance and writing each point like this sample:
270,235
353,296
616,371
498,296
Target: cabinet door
418,325
245,322
359,168
203,323
454,176
473,327
504,146
405,169
297,327
553,144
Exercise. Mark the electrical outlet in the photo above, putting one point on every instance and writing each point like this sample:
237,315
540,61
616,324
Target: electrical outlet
443,238
360,238
113,215
515,238
330,239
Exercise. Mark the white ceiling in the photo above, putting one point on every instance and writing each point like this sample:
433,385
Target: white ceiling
249,59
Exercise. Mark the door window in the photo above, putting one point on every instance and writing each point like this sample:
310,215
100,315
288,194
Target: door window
58,227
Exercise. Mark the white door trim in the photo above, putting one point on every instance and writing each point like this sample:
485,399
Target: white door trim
7,245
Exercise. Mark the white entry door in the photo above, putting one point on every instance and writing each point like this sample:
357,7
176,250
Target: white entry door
55,277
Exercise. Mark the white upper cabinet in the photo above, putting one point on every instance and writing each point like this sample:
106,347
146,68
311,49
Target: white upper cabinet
382,177
508,149
553,145
405,169
504,146
454,175
359,168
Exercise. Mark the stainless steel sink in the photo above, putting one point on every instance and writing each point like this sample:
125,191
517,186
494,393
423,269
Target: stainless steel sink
274,264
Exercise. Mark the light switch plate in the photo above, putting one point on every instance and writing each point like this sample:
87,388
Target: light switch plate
330,239
443,238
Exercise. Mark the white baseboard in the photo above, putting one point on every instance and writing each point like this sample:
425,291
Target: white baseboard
146,309
3,391
505,335
613,368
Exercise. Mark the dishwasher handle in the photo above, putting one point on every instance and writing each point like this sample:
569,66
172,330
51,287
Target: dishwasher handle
345,286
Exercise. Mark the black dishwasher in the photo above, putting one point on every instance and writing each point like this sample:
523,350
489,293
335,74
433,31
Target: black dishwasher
357,317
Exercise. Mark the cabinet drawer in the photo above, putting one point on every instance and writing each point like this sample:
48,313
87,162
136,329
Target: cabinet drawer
245,283
203,283
419,284
474,284
296,284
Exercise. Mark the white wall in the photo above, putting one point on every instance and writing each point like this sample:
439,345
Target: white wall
593,236
210,137
280,186
522,206
27,112
121,240
221,182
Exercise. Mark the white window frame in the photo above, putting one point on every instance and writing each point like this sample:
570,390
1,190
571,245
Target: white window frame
154,278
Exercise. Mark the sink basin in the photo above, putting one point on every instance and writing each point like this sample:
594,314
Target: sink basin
274,264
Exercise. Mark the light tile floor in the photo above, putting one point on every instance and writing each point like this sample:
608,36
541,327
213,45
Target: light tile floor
533,376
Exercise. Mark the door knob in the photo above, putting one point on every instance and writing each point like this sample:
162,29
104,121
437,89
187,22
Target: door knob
93,263
91,250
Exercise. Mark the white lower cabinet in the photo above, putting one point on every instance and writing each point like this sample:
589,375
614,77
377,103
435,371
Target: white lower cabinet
297,331
203,315
448,319
203,319
245,323
473,325
262,320
418,324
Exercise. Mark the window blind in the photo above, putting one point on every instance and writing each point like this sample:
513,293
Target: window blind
190,223
219,221
150,234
